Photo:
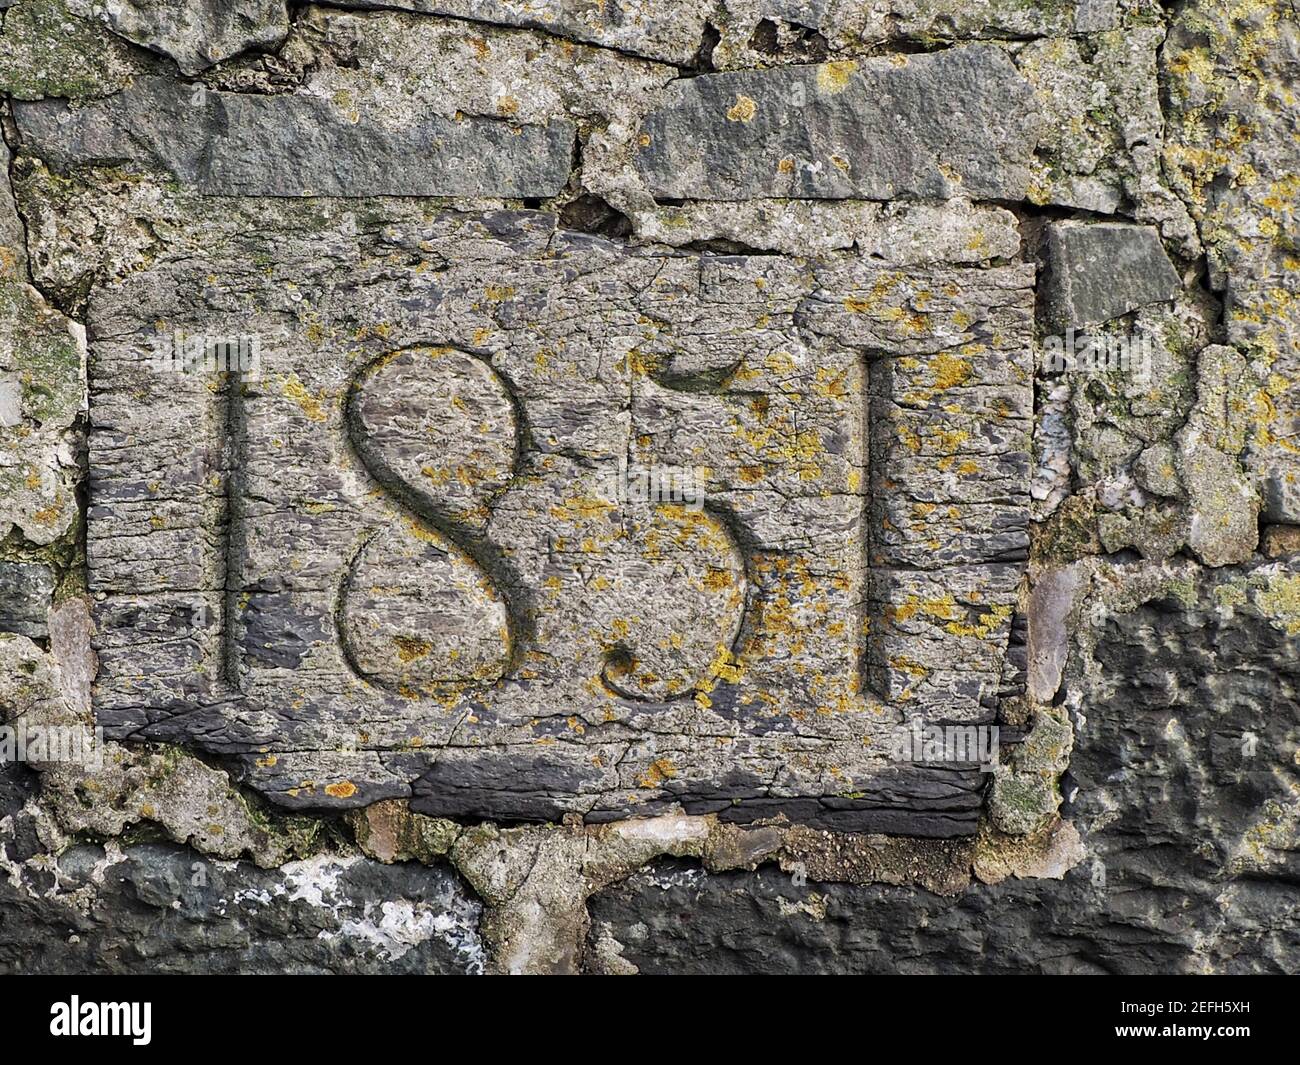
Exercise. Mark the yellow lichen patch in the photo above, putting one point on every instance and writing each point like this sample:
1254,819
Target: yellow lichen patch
294,389
657,772
317,507
422,532
949,440
694,529
582,508
909,666
743,110
638,362
780,362
717,580
950,371
942,609
797,451
829,383
1281,602
409,648
988,622
833,78
723,667
344,789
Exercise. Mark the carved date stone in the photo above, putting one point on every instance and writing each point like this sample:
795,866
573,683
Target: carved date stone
520,523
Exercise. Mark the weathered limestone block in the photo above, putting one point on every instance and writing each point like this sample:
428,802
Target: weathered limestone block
1231,72
26,589
959,122
230,144
536,882
662,502
1110,429
1026,790
1282,486
1099,271
1279,541
42,391
413,555
186,799
389,832
1104,131
949,470
905,234
1054,598
997,18
13,242
1223,502
58,48
199,33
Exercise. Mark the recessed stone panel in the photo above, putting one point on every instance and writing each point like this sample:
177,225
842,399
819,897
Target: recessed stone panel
558,526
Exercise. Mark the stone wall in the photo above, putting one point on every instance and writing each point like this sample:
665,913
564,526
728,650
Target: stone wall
541,487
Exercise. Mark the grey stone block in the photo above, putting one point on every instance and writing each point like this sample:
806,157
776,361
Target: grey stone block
959,122
1281,491
199,33
1097,271
231,144
25,593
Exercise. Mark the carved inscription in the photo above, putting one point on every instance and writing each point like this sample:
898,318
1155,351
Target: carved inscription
558,527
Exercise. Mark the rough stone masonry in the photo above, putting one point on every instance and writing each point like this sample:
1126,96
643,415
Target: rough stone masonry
503,486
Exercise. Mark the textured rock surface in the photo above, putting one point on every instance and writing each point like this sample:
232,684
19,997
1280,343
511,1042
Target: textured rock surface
879,130
508,478
1182,791
25,592
158,908
1100,271
295,146
200,33
42,391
